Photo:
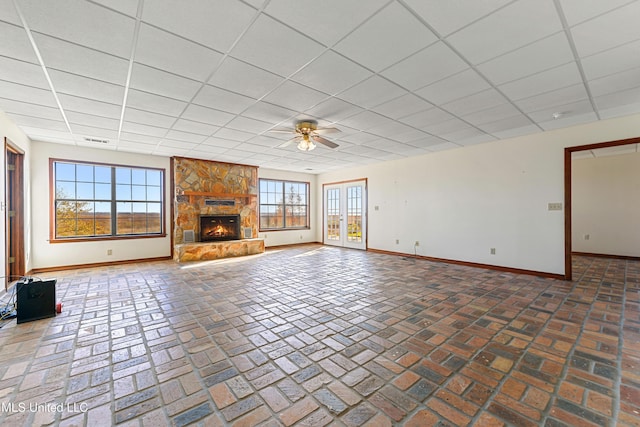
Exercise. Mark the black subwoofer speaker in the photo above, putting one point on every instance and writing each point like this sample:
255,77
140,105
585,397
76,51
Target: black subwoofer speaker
36,299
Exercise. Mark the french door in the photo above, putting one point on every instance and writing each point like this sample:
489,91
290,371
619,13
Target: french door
345,214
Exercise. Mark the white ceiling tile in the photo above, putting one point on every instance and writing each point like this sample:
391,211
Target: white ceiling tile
544,54
389,36
619,110
329,23
270,45
402,106
215,24
364,120
448,127
427,118
468,137
244,78
89,106
511,27
233,134
448,16
612,100
577,11
334,110
425,67
139,138
457,86
390,129
38,122
371,92
268,112
165,51
26,109
250,148
9,13
30,94
472,103
84,87
357,139
194,127
545,81
48,135
143,129
515,132
569,121
81,22
444,146
294,96
210,96
220,142
207,115
607,31
578,108
614,83
331,73
266,141
159,82
492,114
611,61
148,118
155,103
552,98
127,7
81,131
249,125
15,43
514,122
409,136
22,73
185,136
64,56
76,118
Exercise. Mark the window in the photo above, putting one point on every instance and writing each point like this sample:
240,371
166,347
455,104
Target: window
283,204
106,201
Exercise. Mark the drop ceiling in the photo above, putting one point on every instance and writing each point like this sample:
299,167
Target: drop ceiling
209,79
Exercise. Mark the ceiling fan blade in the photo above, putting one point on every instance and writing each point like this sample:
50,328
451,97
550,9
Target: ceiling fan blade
323,141
286,143
322,131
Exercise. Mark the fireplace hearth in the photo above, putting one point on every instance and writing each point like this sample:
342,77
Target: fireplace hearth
215,228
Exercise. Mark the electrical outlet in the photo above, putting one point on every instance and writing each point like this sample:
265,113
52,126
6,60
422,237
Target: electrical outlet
397,241
417,243
493,251
586,237
109,252
554,206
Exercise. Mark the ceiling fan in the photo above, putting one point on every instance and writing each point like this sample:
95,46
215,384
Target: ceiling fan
307,134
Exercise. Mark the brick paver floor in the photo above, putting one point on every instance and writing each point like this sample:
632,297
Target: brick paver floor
315,335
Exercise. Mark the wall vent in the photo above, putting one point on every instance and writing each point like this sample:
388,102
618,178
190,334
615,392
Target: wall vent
97,140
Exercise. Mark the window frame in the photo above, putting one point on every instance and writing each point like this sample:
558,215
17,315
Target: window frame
284,205
113,200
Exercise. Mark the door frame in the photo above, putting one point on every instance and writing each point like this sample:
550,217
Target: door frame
14,199
568,267
366,206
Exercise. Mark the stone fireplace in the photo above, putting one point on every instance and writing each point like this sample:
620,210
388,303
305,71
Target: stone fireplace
216,228
215,210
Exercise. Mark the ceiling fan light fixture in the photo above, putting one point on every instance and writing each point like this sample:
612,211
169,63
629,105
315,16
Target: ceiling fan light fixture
306,144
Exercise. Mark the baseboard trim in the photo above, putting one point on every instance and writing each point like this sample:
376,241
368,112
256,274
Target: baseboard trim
290,245
96,264
624,257
473,264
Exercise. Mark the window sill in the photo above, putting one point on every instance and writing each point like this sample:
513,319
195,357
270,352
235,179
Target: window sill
95,239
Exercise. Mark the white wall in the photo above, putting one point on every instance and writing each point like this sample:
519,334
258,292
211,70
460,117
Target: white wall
19,140
460,203
46,254
606,205
289,237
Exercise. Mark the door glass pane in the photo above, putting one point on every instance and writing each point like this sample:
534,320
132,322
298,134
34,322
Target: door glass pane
333,214
354,214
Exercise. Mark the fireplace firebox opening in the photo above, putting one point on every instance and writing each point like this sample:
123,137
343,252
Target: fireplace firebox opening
219,227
